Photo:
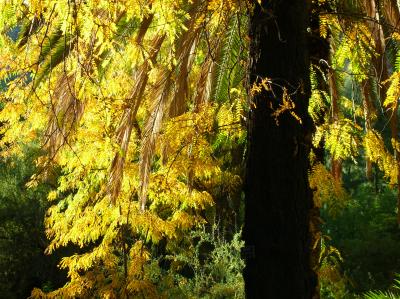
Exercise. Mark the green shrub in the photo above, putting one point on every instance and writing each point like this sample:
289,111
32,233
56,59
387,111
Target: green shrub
208,266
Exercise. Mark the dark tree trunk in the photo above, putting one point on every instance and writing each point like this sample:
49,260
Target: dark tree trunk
278,198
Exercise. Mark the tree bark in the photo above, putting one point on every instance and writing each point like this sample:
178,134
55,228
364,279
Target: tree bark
366,89
278,197
379,69
336,168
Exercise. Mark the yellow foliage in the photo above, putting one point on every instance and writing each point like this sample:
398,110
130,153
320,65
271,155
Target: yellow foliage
323,25
354,49
376,151
395,35
342,138
286,105
326,189
85,85
393,92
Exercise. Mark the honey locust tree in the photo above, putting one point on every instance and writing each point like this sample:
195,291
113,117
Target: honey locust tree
138,107
126,97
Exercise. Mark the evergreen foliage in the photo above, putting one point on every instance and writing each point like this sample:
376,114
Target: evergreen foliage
23,264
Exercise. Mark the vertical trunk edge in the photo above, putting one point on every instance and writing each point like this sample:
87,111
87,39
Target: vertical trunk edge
278,197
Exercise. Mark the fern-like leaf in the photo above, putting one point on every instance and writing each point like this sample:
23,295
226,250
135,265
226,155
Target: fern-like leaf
229,70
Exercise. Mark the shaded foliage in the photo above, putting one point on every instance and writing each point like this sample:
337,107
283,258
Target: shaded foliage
23,264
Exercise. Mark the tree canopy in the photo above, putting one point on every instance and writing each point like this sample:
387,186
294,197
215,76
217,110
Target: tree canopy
138,138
